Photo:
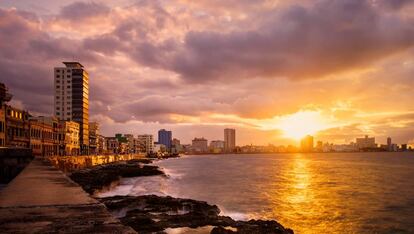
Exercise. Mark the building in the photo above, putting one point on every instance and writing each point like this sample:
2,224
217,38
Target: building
71,84
389,144
93,137
69,138
366,143
229,139
176,146
112,145
165,138
43,136
306,144
4,97
2,126
217,146
199,145
131,142
17,128
145,143
101,147
36,138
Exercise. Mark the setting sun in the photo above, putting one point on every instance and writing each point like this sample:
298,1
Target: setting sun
302,123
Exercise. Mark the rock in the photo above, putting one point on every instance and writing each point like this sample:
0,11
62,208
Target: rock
151,213
221,230
261,226
101,176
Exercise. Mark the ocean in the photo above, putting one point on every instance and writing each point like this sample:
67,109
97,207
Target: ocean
310,193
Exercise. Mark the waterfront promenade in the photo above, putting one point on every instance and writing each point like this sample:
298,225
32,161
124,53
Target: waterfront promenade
41,199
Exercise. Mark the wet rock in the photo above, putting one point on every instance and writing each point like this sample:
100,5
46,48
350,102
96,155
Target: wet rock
151,213
261,226
101,176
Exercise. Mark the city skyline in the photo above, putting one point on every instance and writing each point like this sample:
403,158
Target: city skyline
141,74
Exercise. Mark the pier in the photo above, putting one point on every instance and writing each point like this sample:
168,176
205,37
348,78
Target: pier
41,199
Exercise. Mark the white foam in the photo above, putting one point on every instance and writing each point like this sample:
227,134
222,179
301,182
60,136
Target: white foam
235,215
173,174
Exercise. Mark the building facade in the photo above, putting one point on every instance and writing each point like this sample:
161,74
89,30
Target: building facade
112,145
69,138
366,143
71,103
145,143
199,145
2,126
93,137
217,146
165,138
17,128
306,144
229,139
44,136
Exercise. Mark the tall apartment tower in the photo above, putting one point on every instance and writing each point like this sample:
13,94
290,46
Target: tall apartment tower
165,138
72,99
229,139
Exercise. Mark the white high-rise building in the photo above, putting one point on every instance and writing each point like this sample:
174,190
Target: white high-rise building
229,139
146,143
71,85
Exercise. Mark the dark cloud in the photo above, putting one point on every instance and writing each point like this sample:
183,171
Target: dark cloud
297,42
81,10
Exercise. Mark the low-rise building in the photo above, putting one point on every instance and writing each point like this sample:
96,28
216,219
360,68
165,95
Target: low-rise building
112,145
69,138
17,128
199,145
217,146
44,135
101,147
2,126
93,137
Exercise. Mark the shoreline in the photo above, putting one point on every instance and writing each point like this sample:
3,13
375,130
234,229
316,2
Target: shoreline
153,213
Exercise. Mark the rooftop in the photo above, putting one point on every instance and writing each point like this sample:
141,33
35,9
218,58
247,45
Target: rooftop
73,64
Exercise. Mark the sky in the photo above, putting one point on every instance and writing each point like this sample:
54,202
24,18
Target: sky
274,70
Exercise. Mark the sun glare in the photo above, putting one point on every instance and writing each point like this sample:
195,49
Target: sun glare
302,123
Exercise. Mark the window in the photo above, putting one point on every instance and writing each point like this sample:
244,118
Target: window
58,81
68,113
68,86
68,103
68,76
57,70
57,113
57,108
58,86
68,81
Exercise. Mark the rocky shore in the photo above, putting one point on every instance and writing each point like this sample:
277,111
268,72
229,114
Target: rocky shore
155,214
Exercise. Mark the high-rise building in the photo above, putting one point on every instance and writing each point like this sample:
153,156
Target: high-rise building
146,143
306,144
165,138
72,98
229,139
389,144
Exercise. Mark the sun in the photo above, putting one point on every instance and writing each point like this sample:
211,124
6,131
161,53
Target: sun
302,123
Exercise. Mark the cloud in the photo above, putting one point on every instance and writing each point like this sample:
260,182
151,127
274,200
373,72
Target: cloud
208,63
296,42
79,11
